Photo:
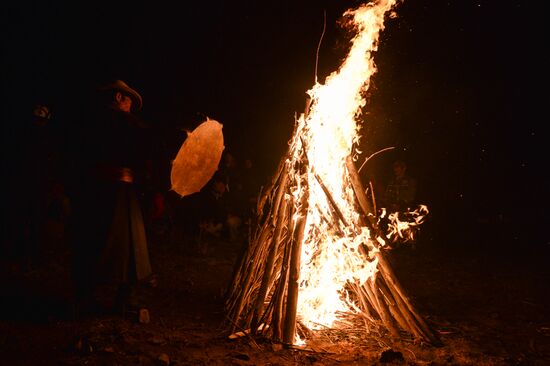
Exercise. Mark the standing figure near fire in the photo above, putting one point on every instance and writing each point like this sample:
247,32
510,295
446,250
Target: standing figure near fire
37,207
400,193
114,157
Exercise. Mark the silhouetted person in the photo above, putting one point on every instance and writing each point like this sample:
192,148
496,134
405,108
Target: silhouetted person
38,206
233,198
212,212
114,153
400,193
400,200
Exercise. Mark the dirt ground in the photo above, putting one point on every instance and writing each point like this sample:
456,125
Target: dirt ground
488,309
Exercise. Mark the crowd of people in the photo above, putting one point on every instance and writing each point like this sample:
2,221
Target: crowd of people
100,190
222,210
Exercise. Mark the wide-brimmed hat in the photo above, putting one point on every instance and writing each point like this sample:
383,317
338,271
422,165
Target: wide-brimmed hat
121,86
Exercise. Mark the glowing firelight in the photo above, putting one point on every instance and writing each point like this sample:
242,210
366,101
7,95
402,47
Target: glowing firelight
326,136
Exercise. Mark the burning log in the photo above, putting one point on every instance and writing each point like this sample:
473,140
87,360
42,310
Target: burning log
366,207
316,260
294,275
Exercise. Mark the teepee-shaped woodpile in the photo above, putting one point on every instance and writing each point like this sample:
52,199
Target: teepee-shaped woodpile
316,258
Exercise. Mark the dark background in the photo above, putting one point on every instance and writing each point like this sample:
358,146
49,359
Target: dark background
458,92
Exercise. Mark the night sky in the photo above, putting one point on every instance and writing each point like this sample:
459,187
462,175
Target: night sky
458,91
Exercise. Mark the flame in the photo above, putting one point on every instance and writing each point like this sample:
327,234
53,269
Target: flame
402,226
325,137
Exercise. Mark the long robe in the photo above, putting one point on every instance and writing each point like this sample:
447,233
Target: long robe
110,242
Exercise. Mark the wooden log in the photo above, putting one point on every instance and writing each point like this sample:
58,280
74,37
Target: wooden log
289,328
282,190
307,107
391,279
282,168
358,189
387,319
243,285
243,265
278,312
373,300
373,198
331,200
363,300
396,310
273,183
268,270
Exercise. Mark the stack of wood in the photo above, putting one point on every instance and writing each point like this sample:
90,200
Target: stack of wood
263,294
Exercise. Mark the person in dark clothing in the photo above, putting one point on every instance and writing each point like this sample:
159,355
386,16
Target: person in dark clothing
400,193
233,199
37,204
400,199
211,213
112,172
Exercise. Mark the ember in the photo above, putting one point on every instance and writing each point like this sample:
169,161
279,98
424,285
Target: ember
316,260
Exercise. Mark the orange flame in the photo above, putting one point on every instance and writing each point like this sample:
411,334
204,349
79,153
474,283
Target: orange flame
330,257
403,228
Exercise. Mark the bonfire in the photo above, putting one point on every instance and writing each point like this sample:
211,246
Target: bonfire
316,260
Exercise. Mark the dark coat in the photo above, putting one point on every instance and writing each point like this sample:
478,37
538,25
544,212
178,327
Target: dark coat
109,238
34,186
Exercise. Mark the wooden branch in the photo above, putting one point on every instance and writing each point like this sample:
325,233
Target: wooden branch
372,155
358,188
289,328
281,168
266,279
394,306
371,301
363,300
389,275
294,272
241,264
283,188
276,321
384,313
373,199
331,200
243,285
